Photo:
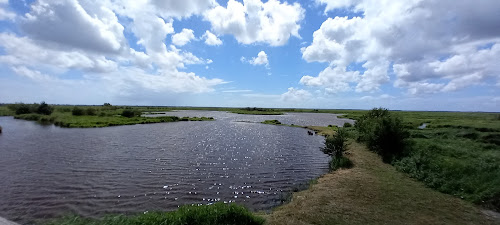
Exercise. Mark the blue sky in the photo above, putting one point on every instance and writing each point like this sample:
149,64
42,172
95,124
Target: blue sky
409,55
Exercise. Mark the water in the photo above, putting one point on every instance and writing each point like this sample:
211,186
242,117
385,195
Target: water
47,171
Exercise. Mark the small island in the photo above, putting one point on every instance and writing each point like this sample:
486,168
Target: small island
91,116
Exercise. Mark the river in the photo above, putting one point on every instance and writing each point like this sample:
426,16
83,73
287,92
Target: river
48,171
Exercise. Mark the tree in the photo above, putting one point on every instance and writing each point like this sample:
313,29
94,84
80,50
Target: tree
77,111
383,133
44,109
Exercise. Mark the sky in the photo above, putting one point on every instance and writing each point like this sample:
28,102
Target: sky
340,54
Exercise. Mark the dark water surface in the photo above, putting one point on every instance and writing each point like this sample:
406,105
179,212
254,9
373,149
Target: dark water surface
47,171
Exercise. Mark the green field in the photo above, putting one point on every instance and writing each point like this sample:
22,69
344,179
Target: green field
97,116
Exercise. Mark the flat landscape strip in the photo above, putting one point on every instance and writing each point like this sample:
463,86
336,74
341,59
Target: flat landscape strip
374,193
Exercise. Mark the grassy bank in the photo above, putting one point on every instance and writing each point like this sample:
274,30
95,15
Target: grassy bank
70,121
457,153
373,192
217,214
90,116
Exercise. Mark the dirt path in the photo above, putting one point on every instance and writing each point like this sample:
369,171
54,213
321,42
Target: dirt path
374,193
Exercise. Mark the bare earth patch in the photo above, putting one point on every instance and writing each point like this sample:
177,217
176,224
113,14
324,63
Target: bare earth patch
374,193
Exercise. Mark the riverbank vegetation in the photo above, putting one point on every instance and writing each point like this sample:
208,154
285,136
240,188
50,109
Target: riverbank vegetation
277,122
335,147
373,192
216,214
88,116
456,153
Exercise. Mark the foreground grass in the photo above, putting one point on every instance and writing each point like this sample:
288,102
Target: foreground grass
373,193
217,214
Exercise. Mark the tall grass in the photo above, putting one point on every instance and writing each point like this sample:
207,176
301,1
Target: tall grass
216,214
457,153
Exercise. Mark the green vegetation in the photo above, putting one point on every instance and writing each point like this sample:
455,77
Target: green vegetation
20,108
277,122
88,116
373,192
272,122
457,153
383,133
335,147
216,214
255,111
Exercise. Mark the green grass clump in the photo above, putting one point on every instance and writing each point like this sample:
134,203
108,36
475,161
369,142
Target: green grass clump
272,122
216,214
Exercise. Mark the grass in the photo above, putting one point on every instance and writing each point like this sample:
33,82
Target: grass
100,116
373,192
70,121
277,122
216,214
324,131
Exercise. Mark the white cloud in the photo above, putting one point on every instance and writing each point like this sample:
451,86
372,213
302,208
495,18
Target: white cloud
184,37
332,79
261,59
22,51
431,51
5,14
72,36
182,9
296,95
67,23
211,39
253,21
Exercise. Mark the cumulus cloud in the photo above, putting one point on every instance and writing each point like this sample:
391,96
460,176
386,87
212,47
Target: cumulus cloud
85,37
184,37
253,21
261,59
5,14
430,51
296,95
211,39
66,22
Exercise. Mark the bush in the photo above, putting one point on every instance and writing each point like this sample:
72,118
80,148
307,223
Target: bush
347,125
383,133
44,109
77,111
335,145
22,109
342,162
90,111
128,113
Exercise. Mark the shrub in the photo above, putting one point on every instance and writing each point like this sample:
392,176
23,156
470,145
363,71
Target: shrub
335,145
128,113
22,109
347,125
77,111
44,109
342,162
383,133
90,111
